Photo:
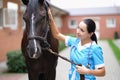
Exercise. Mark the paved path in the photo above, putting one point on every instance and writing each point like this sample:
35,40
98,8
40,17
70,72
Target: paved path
112,66
117,42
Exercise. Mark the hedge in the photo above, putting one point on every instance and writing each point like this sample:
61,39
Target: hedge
16,62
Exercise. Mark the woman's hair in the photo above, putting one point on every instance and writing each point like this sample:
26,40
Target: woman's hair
91,26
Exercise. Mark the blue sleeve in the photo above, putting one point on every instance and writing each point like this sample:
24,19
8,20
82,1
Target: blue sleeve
70,41
98,57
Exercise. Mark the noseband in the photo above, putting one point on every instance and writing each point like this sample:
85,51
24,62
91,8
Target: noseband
41,39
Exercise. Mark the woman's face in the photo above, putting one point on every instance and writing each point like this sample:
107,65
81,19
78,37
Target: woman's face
82,32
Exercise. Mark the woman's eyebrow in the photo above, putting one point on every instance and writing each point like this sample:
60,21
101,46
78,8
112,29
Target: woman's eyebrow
82,29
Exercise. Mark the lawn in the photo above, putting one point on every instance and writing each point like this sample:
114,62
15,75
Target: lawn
115,49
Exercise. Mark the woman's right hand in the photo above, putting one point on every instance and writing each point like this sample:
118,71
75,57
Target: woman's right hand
82,69
49,13
54,29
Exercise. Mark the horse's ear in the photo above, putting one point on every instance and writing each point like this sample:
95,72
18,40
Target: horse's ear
41,2
25,2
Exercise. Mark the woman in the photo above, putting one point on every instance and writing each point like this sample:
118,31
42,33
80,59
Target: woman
84,50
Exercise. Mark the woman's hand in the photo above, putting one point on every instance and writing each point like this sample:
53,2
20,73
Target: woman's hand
49,13
82,69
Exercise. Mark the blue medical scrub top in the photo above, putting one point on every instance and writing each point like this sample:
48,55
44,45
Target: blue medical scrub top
79,55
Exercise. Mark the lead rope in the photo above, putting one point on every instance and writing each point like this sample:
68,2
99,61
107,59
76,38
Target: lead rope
64,58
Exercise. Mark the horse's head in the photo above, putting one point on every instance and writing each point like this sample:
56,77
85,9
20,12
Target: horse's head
37,26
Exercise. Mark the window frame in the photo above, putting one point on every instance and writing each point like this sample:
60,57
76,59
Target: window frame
58,21
110,25
75,24
1,17
12,26
1,4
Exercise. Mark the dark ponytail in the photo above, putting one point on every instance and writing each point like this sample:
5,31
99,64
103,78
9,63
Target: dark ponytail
91,26
94,38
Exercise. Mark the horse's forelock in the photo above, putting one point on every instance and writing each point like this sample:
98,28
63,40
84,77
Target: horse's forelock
33,6
33,9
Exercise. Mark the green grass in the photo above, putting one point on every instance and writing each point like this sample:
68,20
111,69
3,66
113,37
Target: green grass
115,49
61,46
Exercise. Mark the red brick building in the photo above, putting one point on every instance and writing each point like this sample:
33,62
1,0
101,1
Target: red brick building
10,27
107,20
12,24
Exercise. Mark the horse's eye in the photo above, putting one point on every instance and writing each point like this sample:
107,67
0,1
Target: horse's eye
42,12
24,18
38,19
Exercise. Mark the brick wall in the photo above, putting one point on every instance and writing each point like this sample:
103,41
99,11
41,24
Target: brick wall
105,33
9,40
108,33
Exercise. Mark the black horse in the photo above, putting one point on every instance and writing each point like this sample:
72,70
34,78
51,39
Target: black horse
41,64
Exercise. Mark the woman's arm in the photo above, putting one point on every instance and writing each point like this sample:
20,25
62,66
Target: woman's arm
97,72
54,29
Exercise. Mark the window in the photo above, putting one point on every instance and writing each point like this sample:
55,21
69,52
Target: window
58,21
1,18
10,15
1,14
73,24
111,23
1,4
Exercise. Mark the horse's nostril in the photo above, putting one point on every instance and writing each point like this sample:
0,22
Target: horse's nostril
33,52
34,55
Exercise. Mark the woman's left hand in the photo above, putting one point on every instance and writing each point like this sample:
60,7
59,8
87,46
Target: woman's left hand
82,69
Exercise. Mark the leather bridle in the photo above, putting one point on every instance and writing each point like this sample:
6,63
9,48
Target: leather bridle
47,47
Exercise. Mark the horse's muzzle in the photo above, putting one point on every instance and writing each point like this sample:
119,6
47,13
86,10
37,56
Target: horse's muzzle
33,53
33,50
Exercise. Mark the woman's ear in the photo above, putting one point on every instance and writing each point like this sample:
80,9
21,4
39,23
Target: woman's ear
25,2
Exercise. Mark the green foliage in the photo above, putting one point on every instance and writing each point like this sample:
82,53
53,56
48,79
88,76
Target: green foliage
73,35
16,62
61,46
115,49
116,35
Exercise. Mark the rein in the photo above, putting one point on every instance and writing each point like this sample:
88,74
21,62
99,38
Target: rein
56,54
64,58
